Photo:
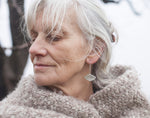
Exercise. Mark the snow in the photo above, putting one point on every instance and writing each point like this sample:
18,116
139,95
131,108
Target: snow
134,41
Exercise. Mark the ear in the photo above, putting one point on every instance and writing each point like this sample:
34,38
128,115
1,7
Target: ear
94,56
91,59
96,53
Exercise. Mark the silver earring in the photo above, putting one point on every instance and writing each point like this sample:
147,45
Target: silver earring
90,77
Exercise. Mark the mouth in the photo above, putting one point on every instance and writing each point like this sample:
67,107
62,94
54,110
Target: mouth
42,66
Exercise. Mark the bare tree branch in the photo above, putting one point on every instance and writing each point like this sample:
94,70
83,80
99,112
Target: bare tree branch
1,51
2,81
19,47
12,67
111,1
129,3
132,8
13,3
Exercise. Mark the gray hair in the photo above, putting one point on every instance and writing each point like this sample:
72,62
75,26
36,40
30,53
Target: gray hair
92,21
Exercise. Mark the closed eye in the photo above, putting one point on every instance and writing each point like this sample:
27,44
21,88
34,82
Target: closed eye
53,38
56,39
33,35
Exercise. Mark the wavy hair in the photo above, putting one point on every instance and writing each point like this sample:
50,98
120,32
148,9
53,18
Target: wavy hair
91,19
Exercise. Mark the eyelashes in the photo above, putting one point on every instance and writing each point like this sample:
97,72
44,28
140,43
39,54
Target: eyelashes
33,36
49,38
52,38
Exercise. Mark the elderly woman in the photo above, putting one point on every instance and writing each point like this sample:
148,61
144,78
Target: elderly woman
70,51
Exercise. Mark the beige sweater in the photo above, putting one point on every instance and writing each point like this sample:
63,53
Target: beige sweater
121,98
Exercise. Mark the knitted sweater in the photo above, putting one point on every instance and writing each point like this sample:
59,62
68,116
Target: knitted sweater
121,98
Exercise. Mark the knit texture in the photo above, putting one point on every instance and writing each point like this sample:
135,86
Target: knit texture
119,98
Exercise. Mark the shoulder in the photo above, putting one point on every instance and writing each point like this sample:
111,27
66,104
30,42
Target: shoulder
18,104
125,75
121,94
23,89
16,111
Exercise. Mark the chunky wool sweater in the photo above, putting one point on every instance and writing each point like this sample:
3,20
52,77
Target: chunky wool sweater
119,98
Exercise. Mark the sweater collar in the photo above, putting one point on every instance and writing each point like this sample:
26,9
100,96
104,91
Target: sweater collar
118,95
116,91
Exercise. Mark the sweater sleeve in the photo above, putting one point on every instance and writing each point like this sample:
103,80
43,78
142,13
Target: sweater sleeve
140,108
136,113
14,111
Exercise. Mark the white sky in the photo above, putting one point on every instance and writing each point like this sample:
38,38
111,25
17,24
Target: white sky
134,42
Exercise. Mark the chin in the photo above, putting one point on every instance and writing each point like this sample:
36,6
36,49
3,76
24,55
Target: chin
42,80
39,80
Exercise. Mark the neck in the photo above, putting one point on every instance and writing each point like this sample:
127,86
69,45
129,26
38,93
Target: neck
77,87
77,91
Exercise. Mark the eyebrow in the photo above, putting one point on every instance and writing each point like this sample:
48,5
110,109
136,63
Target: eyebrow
62,31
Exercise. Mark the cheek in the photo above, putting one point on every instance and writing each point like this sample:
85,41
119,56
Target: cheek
74,53
69,69
77,54
72,50
61,53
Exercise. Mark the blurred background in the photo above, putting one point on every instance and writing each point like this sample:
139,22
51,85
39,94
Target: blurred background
130,17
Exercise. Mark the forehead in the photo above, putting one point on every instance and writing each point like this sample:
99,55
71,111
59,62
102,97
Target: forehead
49,23
52,17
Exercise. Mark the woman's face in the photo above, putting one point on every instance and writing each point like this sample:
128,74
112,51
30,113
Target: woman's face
61,60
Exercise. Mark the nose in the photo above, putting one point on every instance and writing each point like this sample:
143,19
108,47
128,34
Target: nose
38,48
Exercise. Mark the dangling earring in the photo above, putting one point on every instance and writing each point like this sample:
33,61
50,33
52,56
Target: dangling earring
90,77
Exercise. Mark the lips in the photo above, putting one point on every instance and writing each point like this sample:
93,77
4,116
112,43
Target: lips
42,66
